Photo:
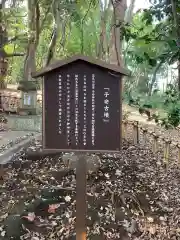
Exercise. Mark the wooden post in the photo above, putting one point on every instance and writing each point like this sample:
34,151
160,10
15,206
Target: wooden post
155,142
144,135
125,129
166,150
135,132
1,174
178,147
81,170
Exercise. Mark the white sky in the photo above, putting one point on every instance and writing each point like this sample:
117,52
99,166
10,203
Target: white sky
140,4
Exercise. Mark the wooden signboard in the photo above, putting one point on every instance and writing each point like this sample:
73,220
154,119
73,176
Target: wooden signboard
82,105
82,112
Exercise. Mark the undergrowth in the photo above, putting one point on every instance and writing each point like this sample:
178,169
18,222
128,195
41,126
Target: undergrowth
163,108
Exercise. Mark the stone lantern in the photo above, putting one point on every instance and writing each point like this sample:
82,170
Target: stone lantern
28,101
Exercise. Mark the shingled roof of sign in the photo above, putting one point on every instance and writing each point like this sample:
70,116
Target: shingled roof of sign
91,60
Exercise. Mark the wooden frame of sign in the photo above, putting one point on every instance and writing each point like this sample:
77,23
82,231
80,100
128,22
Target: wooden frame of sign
82,112
82,105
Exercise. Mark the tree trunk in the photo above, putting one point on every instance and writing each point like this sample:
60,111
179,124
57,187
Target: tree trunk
119,9
33,25
176,23
153,80
52,45
102,45
129,13
3,39
55,32
178,80
128,19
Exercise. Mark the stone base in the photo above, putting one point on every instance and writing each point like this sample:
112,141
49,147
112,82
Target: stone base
8,155
25,123
27,111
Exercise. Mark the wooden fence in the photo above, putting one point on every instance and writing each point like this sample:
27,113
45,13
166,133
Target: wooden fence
169,148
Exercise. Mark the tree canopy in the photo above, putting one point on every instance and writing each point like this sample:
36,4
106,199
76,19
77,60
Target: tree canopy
36,32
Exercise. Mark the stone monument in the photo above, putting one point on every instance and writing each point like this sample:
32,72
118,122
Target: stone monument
28,102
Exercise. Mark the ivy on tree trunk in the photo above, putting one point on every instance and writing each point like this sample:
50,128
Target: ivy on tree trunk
34,31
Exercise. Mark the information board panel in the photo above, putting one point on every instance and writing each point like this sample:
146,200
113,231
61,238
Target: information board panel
81,108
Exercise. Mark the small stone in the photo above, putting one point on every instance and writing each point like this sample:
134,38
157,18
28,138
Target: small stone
161,218
67,198
118,172
3,233
150,219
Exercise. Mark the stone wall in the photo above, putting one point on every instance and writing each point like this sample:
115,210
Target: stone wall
10,99
25,123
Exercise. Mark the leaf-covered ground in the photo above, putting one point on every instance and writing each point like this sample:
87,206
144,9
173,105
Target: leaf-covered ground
131,196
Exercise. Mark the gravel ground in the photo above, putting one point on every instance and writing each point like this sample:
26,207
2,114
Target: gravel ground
131,195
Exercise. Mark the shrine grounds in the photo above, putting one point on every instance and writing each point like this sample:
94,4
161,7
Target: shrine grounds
131,195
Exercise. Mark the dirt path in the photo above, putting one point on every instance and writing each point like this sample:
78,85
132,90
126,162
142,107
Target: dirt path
135,115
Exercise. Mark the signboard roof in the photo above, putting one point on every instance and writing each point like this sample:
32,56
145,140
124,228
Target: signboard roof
91,60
